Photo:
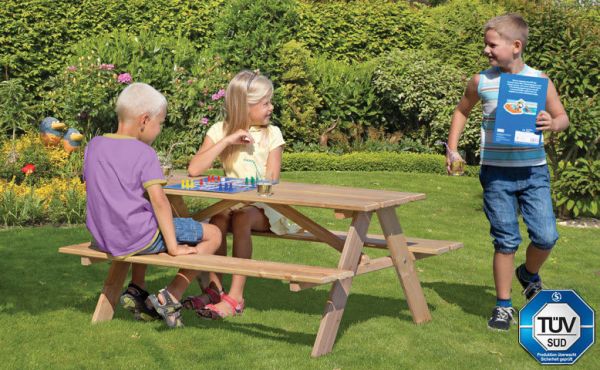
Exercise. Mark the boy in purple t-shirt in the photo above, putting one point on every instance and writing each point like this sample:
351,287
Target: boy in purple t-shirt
119,169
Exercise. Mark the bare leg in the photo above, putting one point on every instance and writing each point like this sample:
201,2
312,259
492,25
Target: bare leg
535,258
243,221
223,222
211,240
503,272
138,274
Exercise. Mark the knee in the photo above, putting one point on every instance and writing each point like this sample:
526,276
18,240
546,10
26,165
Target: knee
221,221
241,222
545,242
213,234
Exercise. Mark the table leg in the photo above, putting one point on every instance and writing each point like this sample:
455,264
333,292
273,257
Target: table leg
214,209
338,295
105,308
178,206
314,228
405,268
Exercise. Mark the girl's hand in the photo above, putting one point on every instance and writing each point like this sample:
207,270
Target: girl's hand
240,137
544,121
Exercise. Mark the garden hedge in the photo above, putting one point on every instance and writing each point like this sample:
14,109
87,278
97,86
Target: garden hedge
384,161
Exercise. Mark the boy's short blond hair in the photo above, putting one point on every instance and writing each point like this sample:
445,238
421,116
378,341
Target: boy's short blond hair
137,99
510,26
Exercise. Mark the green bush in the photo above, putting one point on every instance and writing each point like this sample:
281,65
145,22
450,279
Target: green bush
577,189
564,42
297,96
384,161
349,102
250,33
420,93
356,31
84,94
15,107
455,32
37,35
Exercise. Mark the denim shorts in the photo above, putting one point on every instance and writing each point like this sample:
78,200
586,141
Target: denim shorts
508,190
187,231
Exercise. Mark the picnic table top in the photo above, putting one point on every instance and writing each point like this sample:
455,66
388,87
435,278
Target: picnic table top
312,195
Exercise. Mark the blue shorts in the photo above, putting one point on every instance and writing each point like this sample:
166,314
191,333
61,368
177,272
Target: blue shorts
187,231
507,190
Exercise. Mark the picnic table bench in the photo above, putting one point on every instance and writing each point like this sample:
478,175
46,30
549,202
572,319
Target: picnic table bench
354,203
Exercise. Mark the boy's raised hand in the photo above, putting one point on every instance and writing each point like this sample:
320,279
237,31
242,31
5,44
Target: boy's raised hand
240,137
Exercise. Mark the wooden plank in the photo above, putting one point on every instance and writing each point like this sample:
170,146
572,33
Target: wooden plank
338,295
87,261
420,246
105,308
178,206
312,195
375,265
404,265
385,198
341,214
226,265
314,228
363,268
214,209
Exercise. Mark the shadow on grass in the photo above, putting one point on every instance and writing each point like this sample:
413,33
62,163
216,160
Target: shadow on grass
58,282
473,299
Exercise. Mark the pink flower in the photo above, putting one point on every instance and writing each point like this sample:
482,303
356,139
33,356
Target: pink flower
204,121
218,95
190,81
106,67
124,78
71,68
210,107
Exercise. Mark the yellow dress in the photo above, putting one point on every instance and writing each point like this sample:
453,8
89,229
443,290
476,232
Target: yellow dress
265,140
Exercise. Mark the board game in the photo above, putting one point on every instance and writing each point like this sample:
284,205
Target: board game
216,184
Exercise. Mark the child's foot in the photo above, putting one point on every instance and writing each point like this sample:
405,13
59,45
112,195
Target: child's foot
531,286
169,309
133,299
502,318
227,307
211,295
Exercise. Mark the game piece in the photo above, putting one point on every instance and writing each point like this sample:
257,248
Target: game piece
219,178
201,182
252,181
246,181
183,184
221,186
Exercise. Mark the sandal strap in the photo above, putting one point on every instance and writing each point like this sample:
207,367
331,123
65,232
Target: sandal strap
213,294
169,306
136,291
209,309
235,305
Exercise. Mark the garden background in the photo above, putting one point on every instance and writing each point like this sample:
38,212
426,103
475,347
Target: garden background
377,79
364,91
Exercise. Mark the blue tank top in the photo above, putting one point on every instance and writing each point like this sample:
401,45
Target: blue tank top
493,154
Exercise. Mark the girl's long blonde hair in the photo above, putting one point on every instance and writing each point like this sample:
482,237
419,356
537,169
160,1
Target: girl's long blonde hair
245,89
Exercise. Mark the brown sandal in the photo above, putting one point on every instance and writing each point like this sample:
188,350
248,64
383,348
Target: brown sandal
198,302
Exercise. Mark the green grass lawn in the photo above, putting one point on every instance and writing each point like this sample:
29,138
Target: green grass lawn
47,299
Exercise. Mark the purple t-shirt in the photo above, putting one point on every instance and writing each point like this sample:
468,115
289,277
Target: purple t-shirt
117,170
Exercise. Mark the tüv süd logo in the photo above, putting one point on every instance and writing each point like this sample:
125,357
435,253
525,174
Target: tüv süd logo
556,327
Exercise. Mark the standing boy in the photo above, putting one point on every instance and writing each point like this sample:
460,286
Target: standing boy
513,178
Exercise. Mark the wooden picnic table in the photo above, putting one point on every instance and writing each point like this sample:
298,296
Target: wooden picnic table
346,202
356,203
